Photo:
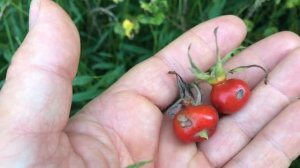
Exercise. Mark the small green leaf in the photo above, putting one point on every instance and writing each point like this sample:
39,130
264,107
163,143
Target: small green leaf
139,164
82,80
217,8
154,6
249,25
149,7
103,66
118,29
156,19
270,30
292,3
86,95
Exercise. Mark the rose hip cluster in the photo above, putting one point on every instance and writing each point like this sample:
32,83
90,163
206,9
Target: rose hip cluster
196,122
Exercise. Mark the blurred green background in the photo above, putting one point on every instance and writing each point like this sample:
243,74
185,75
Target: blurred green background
117,34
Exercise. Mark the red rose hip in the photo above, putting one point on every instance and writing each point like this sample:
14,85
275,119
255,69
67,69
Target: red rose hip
230,95
195,123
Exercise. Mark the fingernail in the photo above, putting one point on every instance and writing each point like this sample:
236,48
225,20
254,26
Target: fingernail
34,12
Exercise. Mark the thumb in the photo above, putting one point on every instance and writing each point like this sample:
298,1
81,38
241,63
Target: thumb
34,11
38,85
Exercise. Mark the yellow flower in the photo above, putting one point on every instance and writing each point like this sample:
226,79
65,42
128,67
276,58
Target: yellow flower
128,26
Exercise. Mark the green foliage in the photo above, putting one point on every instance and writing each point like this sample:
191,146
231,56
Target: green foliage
216,8
292,3
249,24
155,12
108,51
139,164
148,13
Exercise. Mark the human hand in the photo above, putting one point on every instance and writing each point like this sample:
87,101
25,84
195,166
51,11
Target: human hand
125,124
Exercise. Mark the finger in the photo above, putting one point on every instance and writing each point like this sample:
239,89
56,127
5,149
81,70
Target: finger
276,145
266,53
150,78
266,102
38,82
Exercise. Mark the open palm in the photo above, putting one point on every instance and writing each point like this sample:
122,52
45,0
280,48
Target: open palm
125,124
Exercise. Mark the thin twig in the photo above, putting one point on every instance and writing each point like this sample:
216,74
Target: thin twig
237,69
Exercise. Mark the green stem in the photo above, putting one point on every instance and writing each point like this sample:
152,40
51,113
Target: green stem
218,73
203,134
196,71
232,53
240,68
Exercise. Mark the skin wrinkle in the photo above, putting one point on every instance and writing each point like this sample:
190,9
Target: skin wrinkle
286,97
78,154
192,158
132,94
270,140
106,160
235,122
92,137
117,143
103,128
52,150
72,152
